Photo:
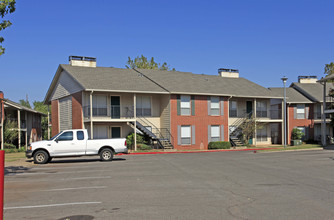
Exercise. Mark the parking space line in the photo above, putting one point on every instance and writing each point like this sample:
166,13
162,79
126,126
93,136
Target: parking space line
62,179
76,188
51,205
46,173
61,189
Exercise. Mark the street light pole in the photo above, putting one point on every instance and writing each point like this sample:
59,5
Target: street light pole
284,79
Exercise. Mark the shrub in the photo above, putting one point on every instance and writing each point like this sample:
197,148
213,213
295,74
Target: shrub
143,147
297,134
219,145
9,146
130,139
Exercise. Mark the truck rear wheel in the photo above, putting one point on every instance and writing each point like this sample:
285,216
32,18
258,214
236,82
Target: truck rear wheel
106,154
41,157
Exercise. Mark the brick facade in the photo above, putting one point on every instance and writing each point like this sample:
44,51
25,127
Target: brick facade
77,114
307,122
200,120
54,117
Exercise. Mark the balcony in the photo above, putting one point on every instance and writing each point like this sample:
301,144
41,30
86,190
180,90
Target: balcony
329,103
271,114
23,124
317,116
110,111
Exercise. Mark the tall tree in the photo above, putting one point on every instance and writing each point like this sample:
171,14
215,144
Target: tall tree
25,103
329,68
143,63
6,6
39,106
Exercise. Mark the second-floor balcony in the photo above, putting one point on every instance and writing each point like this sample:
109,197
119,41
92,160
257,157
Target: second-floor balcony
110,111
317,115
260,114
116,112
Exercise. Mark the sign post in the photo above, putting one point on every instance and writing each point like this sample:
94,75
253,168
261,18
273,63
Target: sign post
2,182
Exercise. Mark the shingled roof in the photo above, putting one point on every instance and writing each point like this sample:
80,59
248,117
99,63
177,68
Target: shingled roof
111,79
188,83
313,91
293,96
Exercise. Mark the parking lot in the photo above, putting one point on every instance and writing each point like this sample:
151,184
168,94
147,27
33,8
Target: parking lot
219,185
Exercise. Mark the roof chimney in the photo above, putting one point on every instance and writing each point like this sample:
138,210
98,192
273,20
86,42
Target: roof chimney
82,61
230,73
307,79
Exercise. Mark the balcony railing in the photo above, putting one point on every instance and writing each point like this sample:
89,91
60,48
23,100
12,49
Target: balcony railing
329,103
111,111
317,115
23,124
272,114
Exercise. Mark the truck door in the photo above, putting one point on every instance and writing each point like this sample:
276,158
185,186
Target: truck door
67,144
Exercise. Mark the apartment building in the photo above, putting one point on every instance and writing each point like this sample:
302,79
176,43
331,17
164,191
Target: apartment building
176,109
304,108
28,122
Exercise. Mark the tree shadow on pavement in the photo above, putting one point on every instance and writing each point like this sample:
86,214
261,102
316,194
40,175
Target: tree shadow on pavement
14,170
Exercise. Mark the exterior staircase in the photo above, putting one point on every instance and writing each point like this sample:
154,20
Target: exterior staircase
236,137
161,137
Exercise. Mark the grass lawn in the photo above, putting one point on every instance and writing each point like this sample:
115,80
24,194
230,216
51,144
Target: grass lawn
10,157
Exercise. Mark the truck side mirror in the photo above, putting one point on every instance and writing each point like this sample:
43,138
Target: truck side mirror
56,140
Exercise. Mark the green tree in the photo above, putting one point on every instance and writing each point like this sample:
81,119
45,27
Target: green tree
249,127
6,6
10,133
143,63
25,103
39,106
329,68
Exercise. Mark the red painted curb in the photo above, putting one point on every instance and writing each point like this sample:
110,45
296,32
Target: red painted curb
204,151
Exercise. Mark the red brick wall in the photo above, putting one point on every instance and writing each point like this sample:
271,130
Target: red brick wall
300,122
54,117
77,111
201,120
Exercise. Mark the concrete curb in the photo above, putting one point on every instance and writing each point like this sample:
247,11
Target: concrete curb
200,151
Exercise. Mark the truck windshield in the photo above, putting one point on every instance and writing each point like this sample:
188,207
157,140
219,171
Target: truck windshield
54,136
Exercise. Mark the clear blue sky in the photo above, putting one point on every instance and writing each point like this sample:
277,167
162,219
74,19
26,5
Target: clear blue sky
263,39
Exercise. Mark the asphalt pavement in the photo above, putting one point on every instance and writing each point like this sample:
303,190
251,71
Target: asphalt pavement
217,185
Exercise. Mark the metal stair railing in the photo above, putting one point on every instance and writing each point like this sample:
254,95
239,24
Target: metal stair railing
237,132
156,131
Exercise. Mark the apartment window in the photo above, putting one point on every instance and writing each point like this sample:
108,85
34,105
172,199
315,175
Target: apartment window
215,133
233,108
317,114
185,135
143,106
261,134
300,111
214,105
99,105
261,109
185,105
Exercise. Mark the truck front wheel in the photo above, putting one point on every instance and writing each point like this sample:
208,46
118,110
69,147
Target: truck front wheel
41,157
106,154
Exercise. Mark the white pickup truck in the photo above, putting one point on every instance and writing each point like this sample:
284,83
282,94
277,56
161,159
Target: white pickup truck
75,143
